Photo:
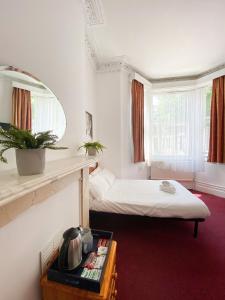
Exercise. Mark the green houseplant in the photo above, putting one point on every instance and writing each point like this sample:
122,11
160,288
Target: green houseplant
92,148
30,148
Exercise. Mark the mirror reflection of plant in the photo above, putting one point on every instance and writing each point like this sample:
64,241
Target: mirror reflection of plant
25,139
92,145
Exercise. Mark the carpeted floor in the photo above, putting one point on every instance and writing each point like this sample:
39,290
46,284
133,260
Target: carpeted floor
160,260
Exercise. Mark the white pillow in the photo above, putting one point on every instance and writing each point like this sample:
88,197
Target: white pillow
108,176
98,186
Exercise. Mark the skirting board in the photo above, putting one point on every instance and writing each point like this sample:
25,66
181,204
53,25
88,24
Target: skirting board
213,189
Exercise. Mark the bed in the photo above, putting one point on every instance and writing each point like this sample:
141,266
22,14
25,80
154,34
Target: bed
144,198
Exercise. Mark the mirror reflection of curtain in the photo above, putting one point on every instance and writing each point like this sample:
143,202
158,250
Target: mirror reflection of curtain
47,114
21,108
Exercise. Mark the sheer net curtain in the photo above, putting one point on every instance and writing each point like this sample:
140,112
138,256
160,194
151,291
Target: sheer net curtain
47,114
175,130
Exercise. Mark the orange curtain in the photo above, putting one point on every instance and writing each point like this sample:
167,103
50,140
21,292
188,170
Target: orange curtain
138,120
21,108
217,122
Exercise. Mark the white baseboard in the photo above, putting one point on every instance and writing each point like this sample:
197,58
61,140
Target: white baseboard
213,189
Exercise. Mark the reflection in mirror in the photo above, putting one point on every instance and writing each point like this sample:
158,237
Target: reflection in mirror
28,104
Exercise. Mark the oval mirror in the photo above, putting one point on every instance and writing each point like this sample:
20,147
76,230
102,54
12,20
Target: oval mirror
27,103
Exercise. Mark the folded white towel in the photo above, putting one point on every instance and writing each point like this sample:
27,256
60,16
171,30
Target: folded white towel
166,183
167,187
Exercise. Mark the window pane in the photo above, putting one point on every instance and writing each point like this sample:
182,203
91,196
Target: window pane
170,129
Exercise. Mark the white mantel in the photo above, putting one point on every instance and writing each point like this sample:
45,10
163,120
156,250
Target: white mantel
18,193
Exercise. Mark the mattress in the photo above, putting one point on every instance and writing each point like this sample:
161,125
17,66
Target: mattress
144,197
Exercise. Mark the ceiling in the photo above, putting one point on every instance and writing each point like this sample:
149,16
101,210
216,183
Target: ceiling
161,38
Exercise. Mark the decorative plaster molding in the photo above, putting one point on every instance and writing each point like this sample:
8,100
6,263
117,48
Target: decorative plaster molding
94,12
94,16
190,77
91,52
113,66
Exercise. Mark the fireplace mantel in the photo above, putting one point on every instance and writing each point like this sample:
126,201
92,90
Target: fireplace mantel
18,193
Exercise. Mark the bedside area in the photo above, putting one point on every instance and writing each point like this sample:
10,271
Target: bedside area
52,290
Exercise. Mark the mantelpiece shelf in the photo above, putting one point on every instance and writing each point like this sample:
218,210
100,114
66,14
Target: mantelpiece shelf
18,193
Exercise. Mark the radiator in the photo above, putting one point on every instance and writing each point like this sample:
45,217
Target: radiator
159,171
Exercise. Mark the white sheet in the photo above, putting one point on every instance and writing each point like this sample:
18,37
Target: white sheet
144,197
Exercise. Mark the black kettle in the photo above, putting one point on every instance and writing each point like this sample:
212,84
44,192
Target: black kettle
70,254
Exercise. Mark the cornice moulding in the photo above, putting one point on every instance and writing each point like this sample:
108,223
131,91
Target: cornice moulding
91,52
114,66
94,16
94,12
187,78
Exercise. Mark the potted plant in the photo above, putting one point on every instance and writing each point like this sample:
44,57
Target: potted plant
30,148
92,148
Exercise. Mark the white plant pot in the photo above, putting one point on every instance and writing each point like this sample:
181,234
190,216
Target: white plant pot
30,161
92,152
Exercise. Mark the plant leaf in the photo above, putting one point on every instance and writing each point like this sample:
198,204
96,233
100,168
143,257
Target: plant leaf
25,139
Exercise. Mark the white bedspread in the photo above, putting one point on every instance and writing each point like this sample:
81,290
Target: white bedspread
143,197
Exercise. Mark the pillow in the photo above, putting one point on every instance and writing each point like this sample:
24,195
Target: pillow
108,176
98,186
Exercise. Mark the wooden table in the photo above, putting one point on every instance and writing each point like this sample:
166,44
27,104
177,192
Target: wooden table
55,291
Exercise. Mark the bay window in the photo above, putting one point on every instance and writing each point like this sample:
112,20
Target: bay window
177,128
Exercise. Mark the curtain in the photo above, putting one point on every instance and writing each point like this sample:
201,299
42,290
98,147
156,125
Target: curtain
217,122
47,114
137,91
21,108
176,130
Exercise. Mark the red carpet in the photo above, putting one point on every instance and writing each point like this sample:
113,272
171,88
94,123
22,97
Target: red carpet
160,260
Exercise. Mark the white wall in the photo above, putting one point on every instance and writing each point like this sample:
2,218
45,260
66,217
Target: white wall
109,119
212,180
46,39
114,124
22,239
90,90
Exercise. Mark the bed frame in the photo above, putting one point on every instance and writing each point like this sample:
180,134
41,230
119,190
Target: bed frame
96,214
196,222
